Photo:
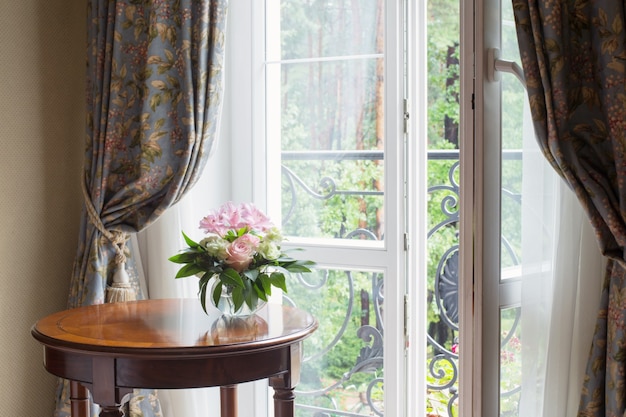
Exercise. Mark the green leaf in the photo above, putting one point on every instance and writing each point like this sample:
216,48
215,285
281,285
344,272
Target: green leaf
278,280
265,283
260,291
230,236
184,257
202,293
231,277
299,266
295,265
188,270
250,294
251,274
238,298
217,293
204,279
190,242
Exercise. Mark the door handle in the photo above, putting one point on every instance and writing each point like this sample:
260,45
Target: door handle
495,66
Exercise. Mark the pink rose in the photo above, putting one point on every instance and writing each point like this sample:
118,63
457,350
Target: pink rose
250,240
240,252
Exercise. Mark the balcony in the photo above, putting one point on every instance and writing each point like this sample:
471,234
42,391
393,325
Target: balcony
357,329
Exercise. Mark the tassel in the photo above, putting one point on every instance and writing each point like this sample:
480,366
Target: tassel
120,290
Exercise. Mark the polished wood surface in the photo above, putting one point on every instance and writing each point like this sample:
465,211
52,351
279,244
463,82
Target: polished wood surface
112,348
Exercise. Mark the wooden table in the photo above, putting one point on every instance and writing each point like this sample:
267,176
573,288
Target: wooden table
110,349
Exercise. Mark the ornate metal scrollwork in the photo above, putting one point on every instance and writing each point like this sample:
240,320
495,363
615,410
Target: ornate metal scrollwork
443,291
447,285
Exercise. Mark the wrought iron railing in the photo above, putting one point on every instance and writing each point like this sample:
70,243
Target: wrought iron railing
321,400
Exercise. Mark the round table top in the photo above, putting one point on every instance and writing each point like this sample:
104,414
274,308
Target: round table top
178,325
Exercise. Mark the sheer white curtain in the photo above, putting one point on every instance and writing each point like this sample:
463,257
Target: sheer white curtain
229,175
156,245
561,264
163,239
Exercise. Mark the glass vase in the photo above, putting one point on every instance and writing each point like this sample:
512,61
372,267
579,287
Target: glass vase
226,304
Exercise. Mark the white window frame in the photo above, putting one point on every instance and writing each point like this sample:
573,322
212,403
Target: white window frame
249,176
471,213
485,294
243,96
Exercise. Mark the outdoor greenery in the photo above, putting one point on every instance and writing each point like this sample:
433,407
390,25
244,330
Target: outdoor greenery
336,105
327,295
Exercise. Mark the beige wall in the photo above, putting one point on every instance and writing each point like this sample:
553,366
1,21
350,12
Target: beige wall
41,141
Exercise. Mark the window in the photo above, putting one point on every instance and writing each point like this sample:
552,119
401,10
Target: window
514,227
359,291
354,113
348,183
335,178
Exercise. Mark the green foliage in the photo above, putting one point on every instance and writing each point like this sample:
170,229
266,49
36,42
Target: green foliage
327,294
443,70
443,92
247,286
510,361
437,400
331,212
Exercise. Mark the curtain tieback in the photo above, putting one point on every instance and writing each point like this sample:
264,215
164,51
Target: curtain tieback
120,289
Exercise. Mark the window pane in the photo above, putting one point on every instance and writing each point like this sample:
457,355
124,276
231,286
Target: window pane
511,224
512,110
326,153
325,110
510,49
510,362
344,202
312,29
443,41
329,105
513,94
343,359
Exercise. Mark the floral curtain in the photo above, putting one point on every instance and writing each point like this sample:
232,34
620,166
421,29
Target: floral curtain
153,104
573,54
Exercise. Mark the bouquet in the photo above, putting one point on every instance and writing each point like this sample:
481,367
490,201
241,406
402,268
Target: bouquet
242,251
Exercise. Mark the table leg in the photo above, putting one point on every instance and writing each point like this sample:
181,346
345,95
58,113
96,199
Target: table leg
285,384
110,412
284,402
79,399
228,401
